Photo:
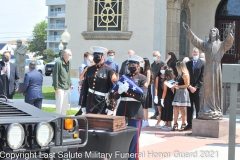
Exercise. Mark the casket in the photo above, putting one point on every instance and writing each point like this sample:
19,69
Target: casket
104,122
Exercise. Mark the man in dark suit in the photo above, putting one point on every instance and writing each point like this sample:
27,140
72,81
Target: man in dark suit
9,75
196,69
32,86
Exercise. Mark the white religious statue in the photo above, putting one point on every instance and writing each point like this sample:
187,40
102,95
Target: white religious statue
20,59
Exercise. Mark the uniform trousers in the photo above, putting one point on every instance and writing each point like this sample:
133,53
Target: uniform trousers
134,146
62,101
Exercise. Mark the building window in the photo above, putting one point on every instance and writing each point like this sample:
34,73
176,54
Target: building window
107,20
230,8
107,15
183,40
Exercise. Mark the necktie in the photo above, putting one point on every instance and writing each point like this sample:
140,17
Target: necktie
194,64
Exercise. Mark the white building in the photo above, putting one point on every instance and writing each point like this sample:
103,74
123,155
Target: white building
147,25
56,23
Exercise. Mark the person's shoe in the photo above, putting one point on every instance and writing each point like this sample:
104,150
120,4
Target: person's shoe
145,123
166,128
188,128
183,126
153,117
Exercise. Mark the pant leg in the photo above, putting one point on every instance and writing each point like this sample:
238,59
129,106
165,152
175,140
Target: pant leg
190,109
197,101
65,102
30,101
59,101
156,113
134,146
38,103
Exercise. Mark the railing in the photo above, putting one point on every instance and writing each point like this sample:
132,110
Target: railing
56,26
57,14
54,38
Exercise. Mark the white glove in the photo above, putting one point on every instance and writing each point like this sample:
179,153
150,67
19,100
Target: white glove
109,112
162,102
155,99
83,110
122,87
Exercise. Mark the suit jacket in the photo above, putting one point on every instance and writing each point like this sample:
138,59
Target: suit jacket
124,69
32,85
196,73
13,81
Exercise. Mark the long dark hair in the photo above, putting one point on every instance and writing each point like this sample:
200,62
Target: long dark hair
173,58
162,65
169,75
146,66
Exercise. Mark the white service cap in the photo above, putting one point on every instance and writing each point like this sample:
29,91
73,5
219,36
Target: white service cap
98,49
134,58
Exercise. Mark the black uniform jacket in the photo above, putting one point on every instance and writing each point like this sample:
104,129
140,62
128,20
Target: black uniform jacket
133,109
99,79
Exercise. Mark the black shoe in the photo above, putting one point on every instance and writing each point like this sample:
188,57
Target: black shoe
153,117
188,127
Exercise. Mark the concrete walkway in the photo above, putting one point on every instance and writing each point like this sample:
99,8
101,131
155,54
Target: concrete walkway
156,144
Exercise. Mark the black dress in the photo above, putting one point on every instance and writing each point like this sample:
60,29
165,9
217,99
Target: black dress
148,102
167,110
160,89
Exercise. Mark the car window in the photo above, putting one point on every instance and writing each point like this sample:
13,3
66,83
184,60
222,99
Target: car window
27,62
38,63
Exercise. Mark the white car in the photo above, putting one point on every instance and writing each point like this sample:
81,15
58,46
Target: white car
40,66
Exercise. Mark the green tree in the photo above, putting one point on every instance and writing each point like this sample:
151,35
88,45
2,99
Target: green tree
37,43
48,55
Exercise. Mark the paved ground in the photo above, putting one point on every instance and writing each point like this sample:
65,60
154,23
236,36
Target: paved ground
156,144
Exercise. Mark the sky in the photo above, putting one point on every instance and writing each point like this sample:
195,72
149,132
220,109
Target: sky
18,18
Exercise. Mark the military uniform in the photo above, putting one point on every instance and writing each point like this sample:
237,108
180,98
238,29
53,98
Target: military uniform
99,80
131,107
130,104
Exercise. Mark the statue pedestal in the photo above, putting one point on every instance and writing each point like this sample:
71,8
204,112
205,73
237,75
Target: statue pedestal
210,128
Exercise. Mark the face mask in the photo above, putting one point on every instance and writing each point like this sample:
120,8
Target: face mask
195,58
69,58
154,58
202,59
88,63
6,59
97,59
132,69
162,71
141,64
110,58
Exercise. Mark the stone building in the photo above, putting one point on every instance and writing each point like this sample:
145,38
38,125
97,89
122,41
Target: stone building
147,25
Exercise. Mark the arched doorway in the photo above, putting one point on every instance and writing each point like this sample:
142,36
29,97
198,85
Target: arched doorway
227,12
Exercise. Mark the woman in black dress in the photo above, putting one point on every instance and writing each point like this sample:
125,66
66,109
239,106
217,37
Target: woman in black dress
166,101
145,70
158,92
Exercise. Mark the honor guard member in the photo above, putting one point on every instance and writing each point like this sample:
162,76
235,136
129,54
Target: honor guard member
130,104
99,80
